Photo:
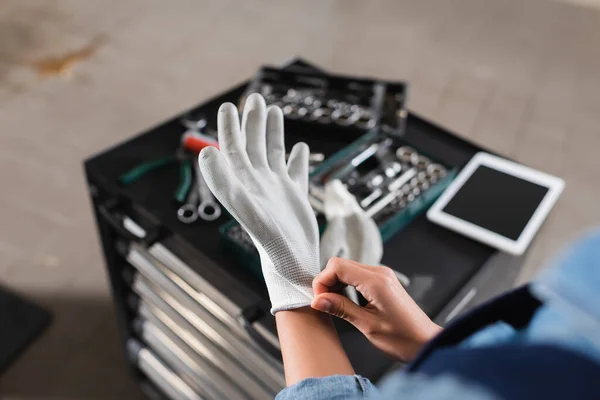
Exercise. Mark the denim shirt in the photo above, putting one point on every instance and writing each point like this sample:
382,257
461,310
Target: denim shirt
568,318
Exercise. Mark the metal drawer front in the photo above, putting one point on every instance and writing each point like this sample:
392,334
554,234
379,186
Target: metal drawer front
210,297
206,323
155,310
161,375
199,374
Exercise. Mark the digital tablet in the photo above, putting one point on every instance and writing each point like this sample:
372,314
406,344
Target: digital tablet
497,202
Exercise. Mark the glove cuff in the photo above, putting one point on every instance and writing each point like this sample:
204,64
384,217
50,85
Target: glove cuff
285,296
289,280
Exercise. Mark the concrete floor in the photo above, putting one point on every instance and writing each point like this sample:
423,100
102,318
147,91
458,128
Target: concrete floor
518,76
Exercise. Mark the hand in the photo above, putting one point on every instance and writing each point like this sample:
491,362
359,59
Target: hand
268,198
391,320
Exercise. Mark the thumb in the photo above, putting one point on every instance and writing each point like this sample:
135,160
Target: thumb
342,307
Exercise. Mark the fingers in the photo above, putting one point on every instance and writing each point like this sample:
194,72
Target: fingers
223,182
231,141
298,165
341,271
342,307
275,141
254,121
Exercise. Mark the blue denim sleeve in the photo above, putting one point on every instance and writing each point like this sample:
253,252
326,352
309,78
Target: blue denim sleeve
570,317
330,388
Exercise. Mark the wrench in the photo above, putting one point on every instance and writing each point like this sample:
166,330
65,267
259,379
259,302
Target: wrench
188,212
393,187
209,209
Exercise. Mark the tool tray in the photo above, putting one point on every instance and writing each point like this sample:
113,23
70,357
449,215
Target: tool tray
421,249
388,221
378,103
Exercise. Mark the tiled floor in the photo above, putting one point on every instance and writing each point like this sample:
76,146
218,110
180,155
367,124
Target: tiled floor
521,77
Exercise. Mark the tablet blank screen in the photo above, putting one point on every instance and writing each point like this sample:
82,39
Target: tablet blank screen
496,201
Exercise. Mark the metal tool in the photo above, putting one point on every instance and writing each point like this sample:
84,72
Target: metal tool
365,120
393,187
402,180
358,159
376,181
405,154
322,115
302,112
393,169
188,212
364,203
208,209
436,170
333,103
420,161
266,89
344,117
194,121
290,111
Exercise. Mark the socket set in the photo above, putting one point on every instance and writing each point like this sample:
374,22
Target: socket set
332,99
391,180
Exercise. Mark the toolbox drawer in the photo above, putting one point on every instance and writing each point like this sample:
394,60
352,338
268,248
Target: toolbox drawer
159,374
199,374
155,310
231,337
210,297
158,289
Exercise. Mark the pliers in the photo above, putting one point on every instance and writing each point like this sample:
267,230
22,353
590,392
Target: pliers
185,172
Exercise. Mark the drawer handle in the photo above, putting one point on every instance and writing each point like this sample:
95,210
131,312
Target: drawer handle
125,226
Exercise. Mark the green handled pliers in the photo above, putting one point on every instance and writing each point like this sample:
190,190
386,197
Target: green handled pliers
185,173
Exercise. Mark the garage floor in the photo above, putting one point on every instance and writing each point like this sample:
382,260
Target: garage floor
518,76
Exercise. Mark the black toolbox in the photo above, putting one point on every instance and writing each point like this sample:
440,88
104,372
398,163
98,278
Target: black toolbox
195,325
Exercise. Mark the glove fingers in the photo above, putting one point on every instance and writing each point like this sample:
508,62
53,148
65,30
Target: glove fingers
224,183
333,242
231,141
254,121
363,239
298,165
275,141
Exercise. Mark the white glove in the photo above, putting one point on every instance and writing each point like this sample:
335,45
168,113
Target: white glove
350,232
250,179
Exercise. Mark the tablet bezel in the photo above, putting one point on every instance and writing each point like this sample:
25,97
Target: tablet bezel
517,247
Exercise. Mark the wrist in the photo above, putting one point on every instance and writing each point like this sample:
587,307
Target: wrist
427,333
310,345
303,313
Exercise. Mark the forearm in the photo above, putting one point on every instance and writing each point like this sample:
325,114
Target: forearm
310,345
